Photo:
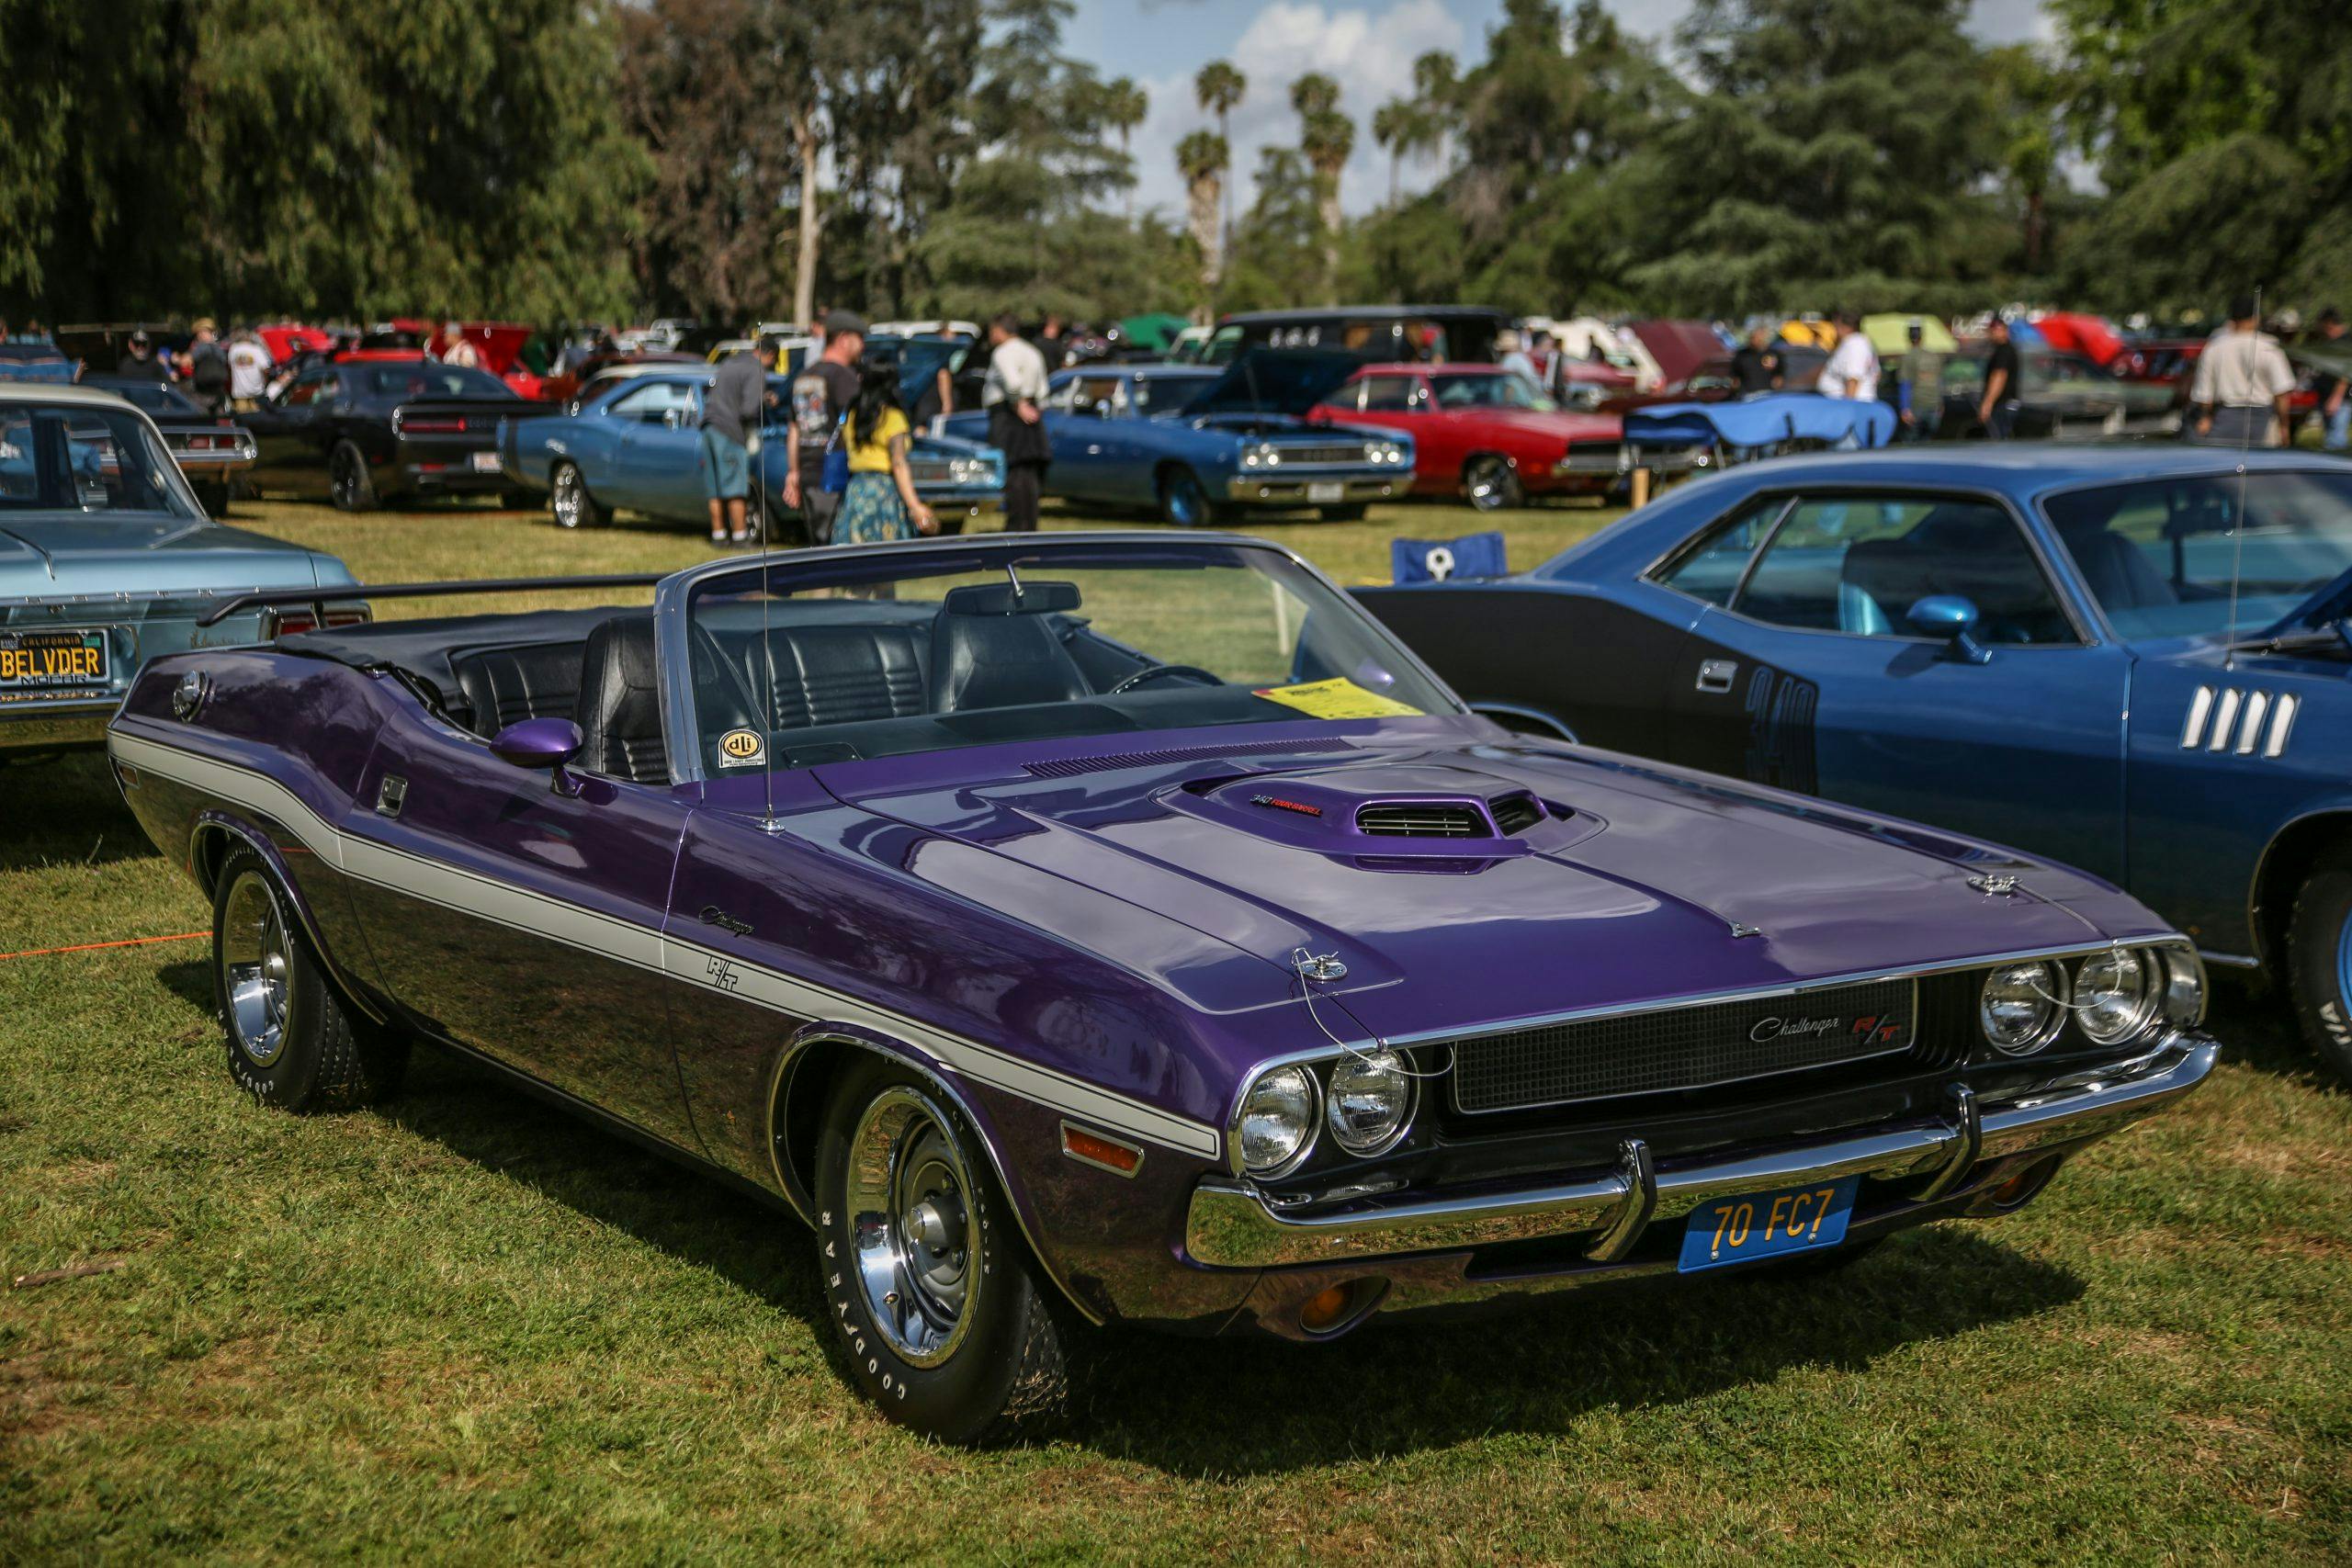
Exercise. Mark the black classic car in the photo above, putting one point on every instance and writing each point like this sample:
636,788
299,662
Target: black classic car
211,449
364,431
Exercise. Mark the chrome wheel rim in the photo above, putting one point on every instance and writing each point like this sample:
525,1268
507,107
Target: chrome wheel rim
1489,485
348,478
566,500
914,1226
256,969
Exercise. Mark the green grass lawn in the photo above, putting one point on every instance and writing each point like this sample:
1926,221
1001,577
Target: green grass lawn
466,1327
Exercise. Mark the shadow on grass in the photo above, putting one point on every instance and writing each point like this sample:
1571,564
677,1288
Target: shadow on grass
67,811
2258,1028
1238,1406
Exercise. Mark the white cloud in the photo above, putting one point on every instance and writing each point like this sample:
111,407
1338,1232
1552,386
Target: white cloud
1370,53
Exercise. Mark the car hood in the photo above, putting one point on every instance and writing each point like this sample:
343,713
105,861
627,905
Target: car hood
74,555
1639,885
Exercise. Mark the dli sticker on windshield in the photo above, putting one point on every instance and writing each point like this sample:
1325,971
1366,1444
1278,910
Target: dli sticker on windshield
1337,698
740,749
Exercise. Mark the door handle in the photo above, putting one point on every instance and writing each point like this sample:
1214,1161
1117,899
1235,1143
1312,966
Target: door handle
1715,675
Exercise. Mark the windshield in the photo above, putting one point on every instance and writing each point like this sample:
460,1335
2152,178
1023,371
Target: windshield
424,380
1502,390
2158,554
894,652
69,458
1167,394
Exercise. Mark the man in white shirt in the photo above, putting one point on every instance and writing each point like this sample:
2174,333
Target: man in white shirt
2242,383
248,371
1852,370
1014,397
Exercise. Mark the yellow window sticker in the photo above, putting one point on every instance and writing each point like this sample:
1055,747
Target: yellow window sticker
1338,698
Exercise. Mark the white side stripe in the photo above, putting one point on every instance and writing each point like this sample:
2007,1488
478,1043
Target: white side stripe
629,942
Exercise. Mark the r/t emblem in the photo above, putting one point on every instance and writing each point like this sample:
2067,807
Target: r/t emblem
722,973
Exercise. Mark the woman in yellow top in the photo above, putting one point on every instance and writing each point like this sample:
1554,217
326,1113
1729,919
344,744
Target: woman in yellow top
880,503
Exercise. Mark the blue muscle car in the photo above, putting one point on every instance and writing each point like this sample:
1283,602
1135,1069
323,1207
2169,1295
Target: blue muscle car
636,442
1199,447
1089,928
2124,658
107,561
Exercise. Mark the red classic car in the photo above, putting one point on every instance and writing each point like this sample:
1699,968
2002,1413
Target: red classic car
1482,433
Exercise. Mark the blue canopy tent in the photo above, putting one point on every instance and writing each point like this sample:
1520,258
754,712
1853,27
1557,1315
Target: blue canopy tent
1761,425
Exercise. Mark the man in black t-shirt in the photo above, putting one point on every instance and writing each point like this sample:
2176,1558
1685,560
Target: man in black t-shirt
142,362
1756,364
205,366
1997,409
821,393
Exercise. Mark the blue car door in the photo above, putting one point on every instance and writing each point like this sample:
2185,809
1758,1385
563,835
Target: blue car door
1081,419
1804,671
657,461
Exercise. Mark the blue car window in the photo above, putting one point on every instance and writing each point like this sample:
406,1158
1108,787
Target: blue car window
1709,567
1858,563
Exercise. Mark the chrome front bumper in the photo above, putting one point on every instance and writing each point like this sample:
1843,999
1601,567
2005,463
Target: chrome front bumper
1258,489
1232,1224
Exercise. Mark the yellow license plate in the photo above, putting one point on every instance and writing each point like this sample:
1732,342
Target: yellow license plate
41,660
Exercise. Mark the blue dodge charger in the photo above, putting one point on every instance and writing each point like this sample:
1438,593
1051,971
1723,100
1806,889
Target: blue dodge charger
2131,658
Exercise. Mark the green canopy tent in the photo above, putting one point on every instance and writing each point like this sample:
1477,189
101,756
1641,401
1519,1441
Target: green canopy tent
1890,334
1153,334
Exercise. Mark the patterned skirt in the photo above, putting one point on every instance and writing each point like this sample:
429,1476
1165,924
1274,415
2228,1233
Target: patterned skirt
872,513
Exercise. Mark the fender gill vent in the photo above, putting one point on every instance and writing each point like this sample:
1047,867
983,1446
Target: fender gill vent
1433,819
1517,813
1072,767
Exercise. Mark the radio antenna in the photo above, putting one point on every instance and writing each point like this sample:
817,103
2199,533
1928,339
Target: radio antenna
2237,524
767,592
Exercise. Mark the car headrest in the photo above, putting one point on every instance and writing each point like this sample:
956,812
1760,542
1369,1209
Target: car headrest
1003,598
620,703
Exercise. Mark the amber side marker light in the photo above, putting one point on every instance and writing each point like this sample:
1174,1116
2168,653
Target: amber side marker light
1324,1307
1101,1151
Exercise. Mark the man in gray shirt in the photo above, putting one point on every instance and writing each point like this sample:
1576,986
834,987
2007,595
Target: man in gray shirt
730,423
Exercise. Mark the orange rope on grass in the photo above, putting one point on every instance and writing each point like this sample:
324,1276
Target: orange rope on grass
95,947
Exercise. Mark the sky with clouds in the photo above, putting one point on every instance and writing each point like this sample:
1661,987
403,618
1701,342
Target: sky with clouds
1367,46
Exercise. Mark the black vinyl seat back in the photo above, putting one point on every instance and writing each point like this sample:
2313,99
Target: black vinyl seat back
844,673
992,649
1968,549
620,703
507,686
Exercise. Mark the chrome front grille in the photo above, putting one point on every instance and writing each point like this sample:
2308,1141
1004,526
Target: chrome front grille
1301,453
1683,1048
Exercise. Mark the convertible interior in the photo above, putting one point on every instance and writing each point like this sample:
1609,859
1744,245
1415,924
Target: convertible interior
836,678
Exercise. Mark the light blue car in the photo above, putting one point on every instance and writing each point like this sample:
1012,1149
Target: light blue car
1201,446
636,442
107,562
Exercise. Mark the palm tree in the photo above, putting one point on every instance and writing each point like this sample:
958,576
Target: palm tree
1123,106
1437,82
1327,136
1219,86
1201,158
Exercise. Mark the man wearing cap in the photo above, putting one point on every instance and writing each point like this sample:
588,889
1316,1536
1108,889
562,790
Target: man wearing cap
731,412
142,362
821,393
2242,383
206,367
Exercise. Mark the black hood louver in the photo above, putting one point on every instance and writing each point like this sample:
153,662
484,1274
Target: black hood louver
1448,820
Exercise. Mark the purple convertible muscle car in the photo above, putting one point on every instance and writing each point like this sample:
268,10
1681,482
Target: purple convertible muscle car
1085,928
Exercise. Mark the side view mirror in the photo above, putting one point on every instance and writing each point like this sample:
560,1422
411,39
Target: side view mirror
673,418
547,743
1102,408
1953,619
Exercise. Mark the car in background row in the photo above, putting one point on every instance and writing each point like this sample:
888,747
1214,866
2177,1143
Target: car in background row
2123,657
1243,441
1482,433
107,561
1457,333
360,431
211,449
2059,395
637,443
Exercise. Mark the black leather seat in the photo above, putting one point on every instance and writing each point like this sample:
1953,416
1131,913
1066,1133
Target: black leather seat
990,649
620,703
507,686
841,674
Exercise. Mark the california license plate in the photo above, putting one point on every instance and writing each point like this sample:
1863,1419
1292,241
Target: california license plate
486,463
1723,1231
46,661
1320,493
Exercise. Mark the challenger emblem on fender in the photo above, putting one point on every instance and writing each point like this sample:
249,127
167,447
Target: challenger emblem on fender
740,748
1877,1029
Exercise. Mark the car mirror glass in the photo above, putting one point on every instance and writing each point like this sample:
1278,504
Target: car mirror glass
547,743
1953,619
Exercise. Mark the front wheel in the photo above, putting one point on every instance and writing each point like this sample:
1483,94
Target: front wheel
292,1042
1184,501
569,501
348,481
2319,957
944,1319
1491,484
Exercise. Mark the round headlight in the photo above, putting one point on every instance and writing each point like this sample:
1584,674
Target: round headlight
1251,459
1371,1100
2113,995
2020,1006
1277,1121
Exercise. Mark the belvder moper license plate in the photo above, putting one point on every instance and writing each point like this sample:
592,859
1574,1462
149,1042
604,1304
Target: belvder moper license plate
1723,1231
50,661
